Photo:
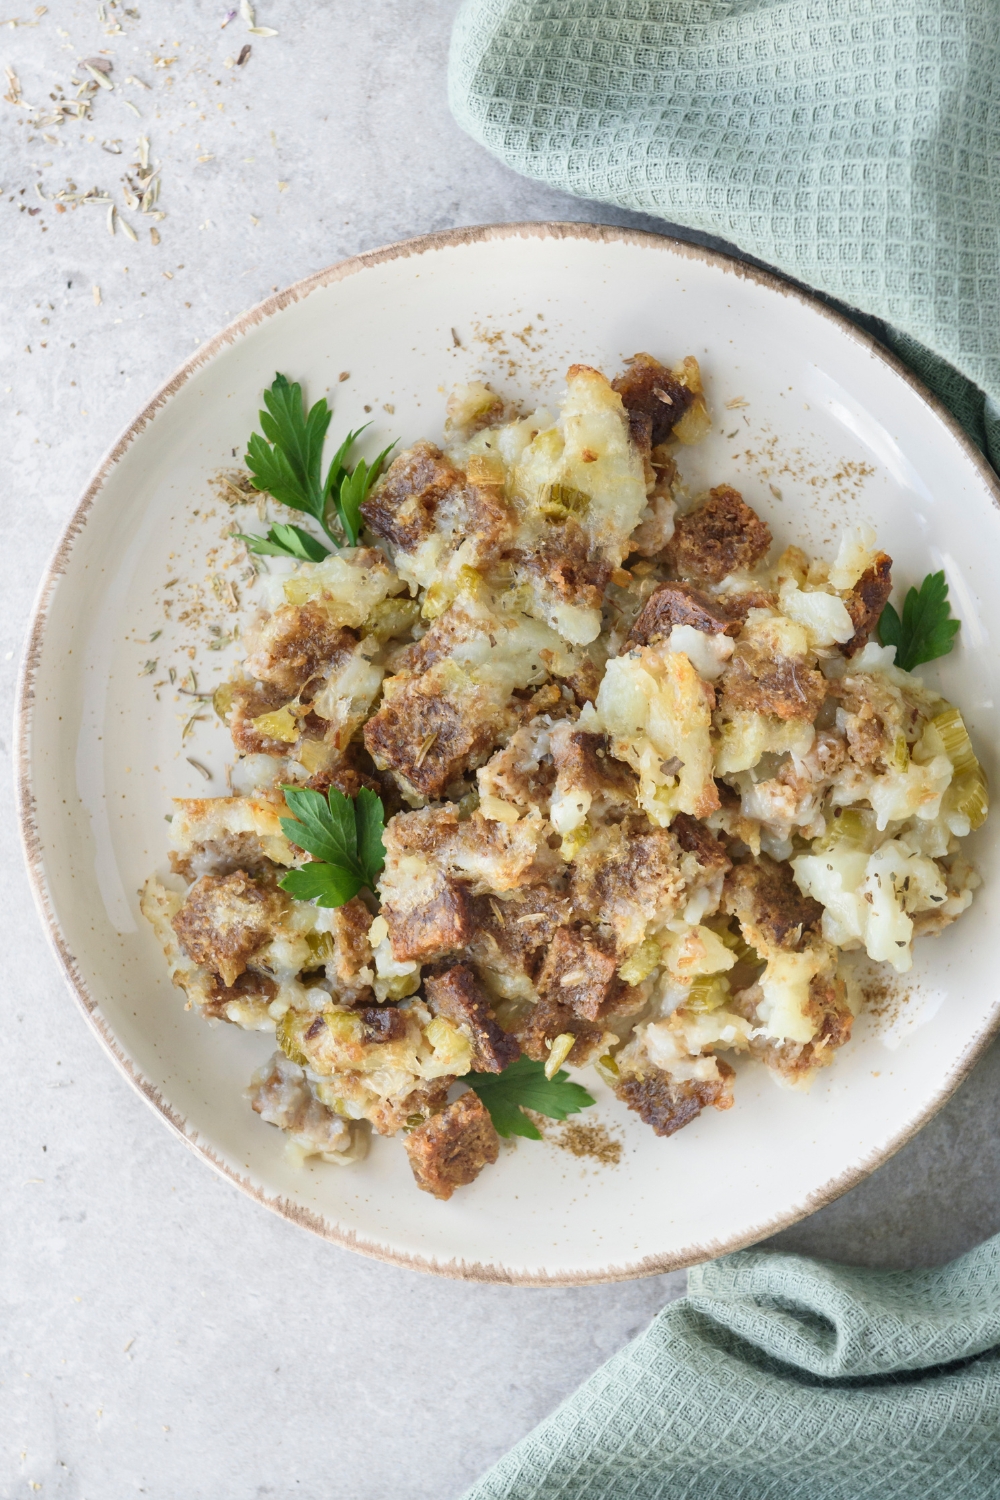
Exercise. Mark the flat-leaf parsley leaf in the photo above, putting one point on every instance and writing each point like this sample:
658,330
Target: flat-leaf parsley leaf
523,1085
343,836
926,630
286,541
287,462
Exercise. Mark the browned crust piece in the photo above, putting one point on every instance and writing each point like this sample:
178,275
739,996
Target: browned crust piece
349,929
284,1098
441,925
639,869
249,702
771,910
425,738
585,682
221,854
667,1104
644,871
437,642
224,920
421,1103
250,988
354,768
652,397
451,1149
867,600
739,606
422,493
298,642
583,760
547,1020
455,994
580,973
721,536
775,685
512,935
681,604
382,1023
345,779
828,1008
401,507
694,838
561,563
517,773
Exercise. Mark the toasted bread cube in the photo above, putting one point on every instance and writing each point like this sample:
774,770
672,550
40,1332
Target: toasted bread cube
456,996
668,1104
451,1149
721,536
225,920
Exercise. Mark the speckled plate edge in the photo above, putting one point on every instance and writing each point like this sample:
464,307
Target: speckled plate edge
651,1265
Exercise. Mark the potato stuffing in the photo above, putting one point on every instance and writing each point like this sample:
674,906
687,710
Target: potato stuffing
629,782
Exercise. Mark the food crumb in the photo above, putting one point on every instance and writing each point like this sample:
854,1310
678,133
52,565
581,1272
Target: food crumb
588,1140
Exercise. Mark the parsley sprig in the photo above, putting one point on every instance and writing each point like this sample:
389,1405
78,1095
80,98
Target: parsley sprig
287,462
926,629
345,838
523,1085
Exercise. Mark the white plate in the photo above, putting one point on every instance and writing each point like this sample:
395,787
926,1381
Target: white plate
834,431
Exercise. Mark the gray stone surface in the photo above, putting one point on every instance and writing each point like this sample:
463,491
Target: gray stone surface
161,1334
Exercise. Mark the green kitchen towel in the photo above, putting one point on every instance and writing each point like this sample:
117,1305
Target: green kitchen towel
853,144
783,1378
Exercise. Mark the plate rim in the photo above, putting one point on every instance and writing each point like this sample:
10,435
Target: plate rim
349,1239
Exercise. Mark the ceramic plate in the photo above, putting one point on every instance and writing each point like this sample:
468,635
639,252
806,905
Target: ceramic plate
817,426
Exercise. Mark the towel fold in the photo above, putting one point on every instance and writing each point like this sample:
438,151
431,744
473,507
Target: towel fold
783,1378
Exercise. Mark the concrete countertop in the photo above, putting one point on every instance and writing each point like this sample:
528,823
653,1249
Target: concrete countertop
162,1335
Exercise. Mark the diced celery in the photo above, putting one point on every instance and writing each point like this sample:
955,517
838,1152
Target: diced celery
401,985
708,992
562,501
968,794
437,599
573,842
315,755
485,468
343,1025
279,725
321,947
287,1036
899,756
608,1069
955,742
392,619
558,1053
854,826
641,962
222,700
